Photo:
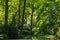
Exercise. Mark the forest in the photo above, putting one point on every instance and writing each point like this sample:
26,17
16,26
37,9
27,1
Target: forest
30,19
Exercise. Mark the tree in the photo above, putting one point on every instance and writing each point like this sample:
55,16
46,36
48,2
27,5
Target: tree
6,14
19,15
24,7
31,26
6,18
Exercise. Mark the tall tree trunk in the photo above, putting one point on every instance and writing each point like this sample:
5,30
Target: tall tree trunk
18,15
24,7
6,13
6,18
31,21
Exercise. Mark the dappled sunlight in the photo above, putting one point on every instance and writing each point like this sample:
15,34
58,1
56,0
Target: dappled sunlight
30,19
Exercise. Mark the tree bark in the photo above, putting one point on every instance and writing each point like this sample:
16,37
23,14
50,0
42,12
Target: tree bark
24,7
18,15
31,21
6,13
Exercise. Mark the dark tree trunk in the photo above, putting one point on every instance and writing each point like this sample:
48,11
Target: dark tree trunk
24,7
31,21
6,18
6,13
18,15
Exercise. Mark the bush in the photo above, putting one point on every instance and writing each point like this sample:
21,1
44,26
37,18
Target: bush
3,36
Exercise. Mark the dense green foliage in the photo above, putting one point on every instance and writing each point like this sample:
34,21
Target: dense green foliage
29,18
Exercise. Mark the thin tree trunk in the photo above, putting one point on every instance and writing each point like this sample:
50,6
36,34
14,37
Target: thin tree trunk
24,7
6,18
18,15
6,13
31,21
